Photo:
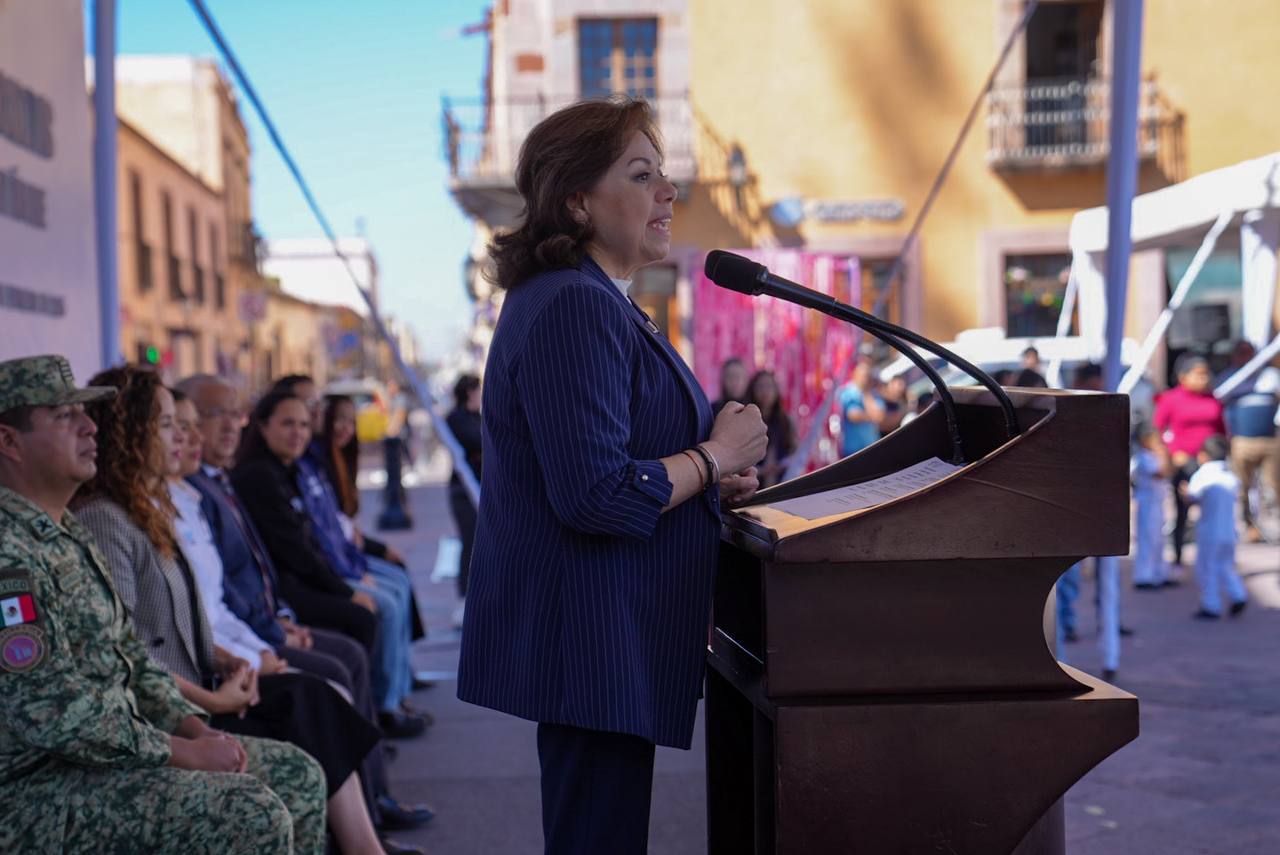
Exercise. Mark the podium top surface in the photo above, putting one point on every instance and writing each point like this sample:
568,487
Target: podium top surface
1058,488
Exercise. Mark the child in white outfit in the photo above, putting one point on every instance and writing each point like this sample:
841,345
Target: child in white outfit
1149,471
1215,488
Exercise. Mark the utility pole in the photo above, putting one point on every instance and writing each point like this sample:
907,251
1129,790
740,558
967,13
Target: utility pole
104,175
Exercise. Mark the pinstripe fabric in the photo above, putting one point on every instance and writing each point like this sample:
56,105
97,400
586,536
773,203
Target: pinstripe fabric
587,605
157,591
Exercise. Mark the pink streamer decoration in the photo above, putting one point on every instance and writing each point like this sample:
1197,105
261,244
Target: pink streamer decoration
800,347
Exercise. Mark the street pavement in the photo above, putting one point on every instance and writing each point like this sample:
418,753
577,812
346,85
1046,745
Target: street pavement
1203,776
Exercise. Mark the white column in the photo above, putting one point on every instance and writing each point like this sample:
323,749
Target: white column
1091,291
1259,239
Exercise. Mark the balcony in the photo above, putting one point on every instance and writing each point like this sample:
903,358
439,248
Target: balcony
245,243
482,145
1064,124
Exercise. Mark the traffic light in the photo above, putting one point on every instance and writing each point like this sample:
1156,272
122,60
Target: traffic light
153,355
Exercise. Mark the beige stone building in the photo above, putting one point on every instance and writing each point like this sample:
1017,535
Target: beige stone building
188,246
177,303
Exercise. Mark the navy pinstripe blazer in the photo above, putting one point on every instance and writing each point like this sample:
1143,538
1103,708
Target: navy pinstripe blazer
587,605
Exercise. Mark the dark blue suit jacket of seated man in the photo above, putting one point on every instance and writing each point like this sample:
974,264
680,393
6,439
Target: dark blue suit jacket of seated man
245,582
587,605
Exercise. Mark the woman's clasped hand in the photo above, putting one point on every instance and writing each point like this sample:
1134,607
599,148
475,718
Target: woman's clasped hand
738,440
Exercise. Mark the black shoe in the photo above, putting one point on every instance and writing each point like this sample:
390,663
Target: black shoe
409,709
419,684
396,725
395,816
1127,631
1237,608
1108,674
1147,586
1171,583
391,847
1205,614
1069,636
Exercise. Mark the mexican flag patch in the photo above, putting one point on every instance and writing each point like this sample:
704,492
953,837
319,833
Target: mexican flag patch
17,610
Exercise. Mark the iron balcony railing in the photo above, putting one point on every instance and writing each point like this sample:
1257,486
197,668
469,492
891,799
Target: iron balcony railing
1065,122
482,138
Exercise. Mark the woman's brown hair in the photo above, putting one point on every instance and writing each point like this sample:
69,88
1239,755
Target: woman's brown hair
131,470
340,462
568,152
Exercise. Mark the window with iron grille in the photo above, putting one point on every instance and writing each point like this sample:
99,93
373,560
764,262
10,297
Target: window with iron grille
618,56
197,272
215,265
141,250
173,263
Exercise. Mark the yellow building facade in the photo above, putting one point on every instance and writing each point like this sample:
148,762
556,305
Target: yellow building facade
853,105
820,126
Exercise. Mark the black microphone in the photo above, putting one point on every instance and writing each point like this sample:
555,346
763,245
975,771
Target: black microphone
732,271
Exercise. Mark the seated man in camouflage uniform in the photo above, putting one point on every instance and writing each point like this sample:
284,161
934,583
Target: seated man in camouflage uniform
98,750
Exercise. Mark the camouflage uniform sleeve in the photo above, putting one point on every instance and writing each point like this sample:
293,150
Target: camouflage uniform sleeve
158,695
51,706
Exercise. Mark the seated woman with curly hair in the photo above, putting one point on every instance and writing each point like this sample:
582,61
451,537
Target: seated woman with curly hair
126,506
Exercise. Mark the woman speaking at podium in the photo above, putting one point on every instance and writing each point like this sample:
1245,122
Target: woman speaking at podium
599,518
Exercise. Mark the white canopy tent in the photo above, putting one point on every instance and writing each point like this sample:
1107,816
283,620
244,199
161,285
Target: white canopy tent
1245,196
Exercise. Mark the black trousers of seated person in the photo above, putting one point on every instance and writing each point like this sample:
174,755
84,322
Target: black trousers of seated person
596,788
341,660
332,611
306,711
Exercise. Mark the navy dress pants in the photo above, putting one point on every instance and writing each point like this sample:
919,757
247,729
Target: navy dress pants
595,791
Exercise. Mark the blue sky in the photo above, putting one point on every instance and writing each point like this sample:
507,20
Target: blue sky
354,89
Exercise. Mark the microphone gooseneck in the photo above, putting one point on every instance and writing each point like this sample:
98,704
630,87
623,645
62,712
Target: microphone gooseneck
737,273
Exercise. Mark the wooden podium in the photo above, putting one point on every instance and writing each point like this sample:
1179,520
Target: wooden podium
880,680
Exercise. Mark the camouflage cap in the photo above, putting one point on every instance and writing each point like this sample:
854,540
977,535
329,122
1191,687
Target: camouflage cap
43,381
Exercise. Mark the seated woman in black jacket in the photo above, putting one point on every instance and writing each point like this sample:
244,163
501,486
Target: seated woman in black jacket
126,507
266,478
268,488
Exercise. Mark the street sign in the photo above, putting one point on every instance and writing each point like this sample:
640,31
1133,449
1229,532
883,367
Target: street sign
252,306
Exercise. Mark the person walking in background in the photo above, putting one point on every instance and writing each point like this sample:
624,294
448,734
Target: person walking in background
1250,413
764,393
1215,488
896,405
1186,416
465,423
733,384
1032,374
1149,471
860,410
599,521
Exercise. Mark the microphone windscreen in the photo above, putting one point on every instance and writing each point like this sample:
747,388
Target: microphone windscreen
732,271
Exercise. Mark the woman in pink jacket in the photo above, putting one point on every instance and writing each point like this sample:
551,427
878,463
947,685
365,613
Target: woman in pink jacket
1186,416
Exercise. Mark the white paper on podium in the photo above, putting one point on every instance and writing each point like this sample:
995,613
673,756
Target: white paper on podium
868,493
